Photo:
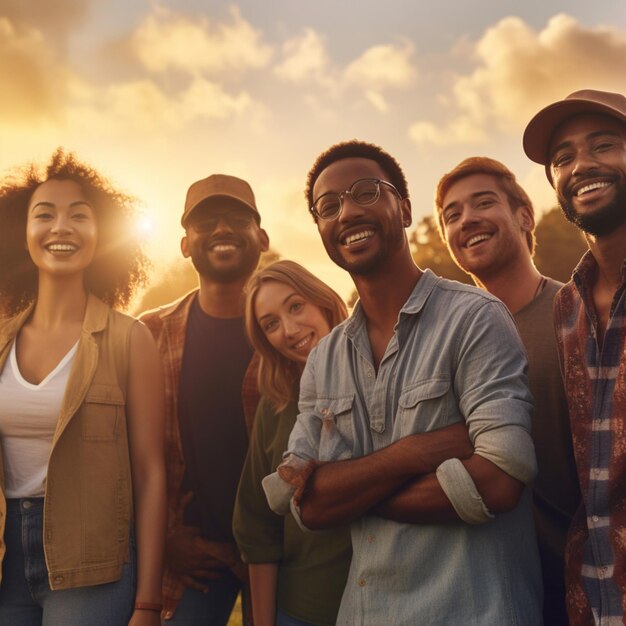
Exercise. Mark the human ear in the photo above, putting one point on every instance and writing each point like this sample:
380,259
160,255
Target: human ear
184,247
405,209
526,218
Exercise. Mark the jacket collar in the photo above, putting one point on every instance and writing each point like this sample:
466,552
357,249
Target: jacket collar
96,316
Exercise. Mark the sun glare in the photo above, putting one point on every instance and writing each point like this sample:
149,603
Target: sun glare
144,226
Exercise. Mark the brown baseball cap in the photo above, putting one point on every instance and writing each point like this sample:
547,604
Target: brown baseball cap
219,186
540,129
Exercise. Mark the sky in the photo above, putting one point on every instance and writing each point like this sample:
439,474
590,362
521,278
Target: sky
157,95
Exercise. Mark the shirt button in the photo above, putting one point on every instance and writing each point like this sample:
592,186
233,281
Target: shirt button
595,519
371,538
58,579
26,504
362,582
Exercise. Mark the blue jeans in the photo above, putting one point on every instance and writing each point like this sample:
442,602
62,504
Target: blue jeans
25,595
212,608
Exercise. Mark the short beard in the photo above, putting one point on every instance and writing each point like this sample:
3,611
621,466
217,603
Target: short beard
602,222
227,275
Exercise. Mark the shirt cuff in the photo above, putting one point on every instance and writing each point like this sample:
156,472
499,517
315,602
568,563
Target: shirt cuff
458,485
278,493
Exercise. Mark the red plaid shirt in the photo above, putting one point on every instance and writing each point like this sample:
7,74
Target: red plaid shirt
168,325
595,384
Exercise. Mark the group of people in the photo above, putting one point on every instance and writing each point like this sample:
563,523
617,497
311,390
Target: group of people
447,454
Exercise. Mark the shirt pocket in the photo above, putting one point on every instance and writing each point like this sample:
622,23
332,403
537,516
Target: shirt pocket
423,406
337,428
101,413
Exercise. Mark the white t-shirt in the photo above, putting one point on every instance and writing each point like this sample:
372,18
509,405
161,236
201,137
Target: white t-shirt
28,418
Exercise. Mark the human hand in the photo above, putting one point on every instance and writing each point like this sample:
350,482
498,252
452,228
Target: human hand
141,617
193,557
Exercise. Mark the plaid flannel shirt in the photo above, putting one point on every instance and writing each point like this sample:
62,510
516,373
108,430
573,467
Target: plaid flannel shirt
168,325
595,384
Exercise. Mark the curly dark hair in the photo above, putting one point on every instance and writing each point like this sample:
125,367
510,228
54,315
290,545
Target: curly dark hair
360,150
120,265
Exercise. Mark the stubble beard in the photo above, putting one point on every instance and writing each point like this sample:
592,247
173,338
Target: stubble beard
602,221
225,275
393,241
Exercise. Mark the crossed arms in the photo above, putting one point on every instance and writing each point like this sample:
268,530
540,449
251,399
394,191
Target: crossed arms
399,483
468,471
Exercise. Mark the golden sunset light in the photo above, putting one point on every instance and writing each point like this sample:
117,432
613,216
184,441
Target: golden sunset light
157,95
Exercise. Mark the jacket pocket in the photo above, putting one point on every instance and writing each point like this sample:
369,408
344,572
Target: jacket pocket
423,406
101,412
337,428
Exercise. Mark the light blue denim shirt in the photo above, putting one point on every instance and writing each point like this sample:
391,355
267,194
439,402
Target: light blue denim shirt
455,355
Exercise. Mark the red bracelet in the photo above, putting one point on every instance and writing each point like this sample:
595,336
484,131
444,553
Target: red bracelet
148,606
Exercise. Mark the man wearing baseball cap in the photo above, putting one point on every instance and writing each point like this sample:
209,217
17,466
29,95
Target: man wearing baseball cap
581,141
206,356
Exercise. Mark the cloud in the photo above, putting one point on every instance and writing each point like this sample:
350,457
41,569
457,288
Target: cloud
33,85
383,66
55,18
462,130
518,71
142,106
168,41
305,59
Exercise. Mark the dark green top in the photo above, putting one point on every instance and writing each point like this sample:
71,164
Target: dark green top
313,567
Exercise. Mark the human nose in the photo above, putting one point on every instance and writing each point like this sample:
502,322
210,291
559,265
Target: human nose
291,326
61,224
469,217
583,161
349,209
222,224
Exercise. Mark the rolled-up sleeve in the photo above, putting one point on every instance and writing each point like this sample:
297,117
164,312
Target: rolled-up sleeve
491,386
302,451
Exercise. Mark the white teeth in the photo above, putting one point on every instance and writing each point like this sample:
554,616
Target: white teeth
591,187
223,247
302,342
364,234
61,247
477,239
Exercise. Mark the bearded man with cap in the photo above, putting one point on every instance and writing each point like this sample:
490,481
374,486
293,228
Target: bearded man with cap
581,141
207,362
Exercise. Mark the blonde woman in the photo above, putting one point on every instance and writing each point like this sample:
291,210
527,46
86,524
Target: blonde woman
296,578
81,408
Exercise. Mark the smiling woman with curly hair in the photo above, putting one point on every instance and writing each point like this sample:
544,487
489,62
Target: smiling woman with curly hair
81,407
119,266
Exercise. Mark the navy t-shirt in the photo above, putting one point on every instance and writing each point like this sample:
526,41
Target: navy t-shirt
212,424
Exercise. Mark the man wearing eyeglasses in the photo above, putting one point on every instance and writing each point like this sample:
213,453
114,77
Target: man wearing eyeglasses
414,422
206,356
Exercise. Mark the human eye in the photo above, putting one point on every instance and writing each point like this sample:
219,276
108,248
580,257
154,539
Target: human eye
328,205
205,225
604,145
450,216
485,203
296,306
241,220
270,325
365,191
560,159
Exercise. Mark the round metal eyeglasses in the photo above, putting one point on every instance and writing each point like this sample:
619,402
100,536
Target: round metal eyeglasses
364,192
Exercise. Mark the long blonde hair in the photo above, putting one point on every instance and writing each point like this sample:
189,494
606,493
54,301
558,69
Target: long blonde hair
277,374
